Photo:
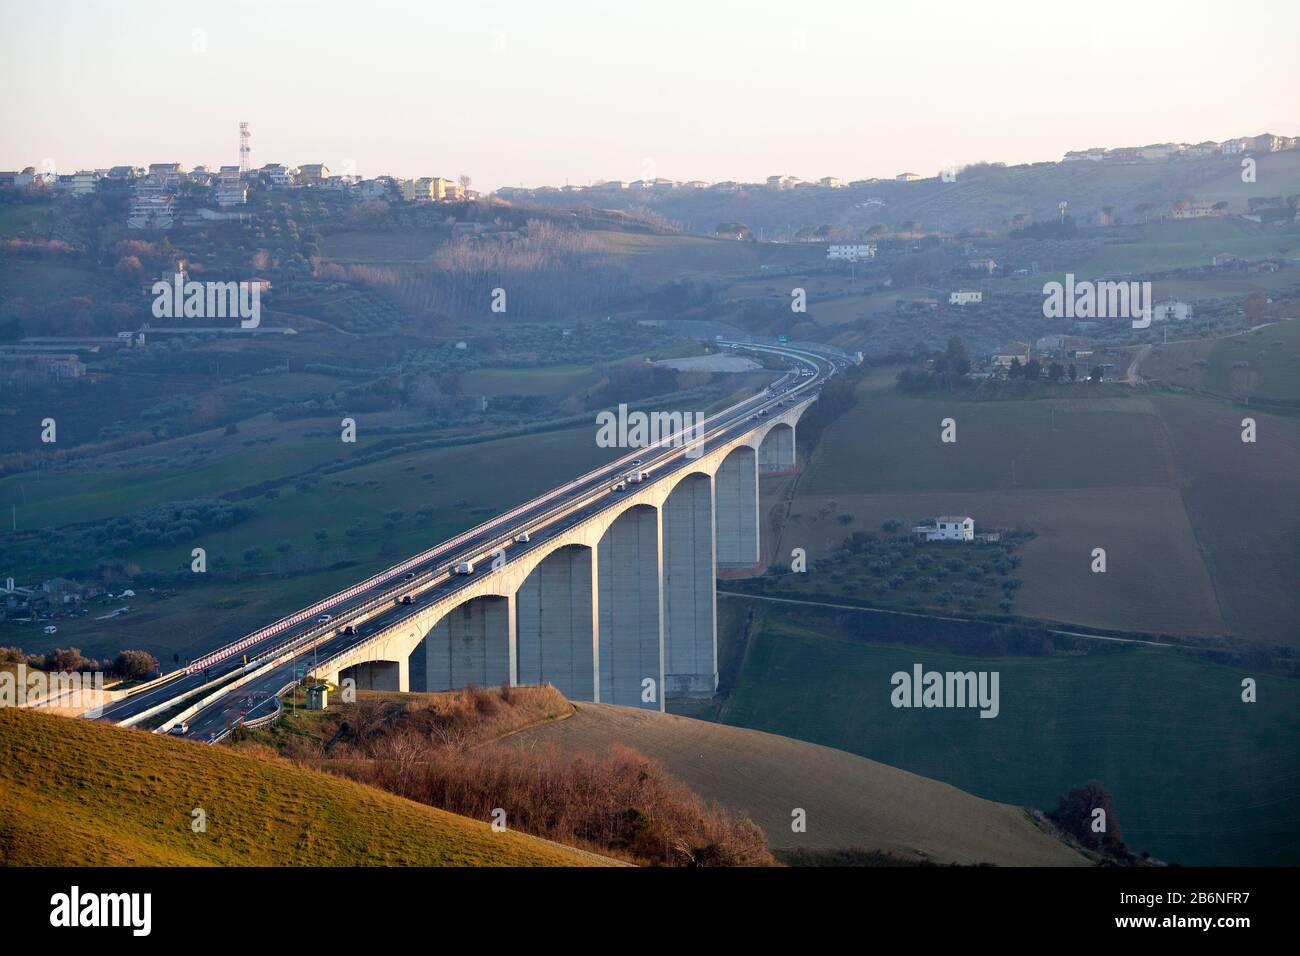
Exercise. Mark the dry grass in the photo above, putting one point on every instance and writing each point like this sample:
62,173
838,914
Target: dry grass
80,793
439,749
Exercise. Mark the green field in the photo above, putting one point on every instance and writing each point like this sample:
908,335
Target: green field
461,485
28,220
1180,244
80,793
888,443
554,381
1199,527
1198,776
1263,364
41,281
657,258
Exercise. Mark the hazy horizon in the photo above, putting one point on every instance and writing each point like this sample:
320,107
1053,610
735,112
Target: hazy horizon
724,91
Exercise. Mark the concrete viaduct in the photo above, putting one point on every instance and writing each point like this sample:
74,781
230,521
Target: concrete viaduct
619,606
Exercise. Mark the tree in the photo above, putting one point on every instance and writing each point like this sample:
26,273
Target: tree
1074,372
464,182
1096,373
1055,371
1076,813
1033,370
67,660
134,664
956,358
1015,368
826,231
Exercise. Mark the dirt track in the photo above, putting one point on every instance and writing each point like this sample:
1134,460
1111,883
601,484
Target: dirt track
850,801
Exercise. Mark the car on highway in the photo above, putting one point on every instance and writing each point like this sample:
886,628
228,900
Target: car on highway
409,576
350,629
465,567
408,598
180,729
523,537
324,618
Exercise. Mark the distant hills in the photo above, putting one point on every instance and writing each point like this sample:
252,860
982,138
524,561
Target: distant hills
980,197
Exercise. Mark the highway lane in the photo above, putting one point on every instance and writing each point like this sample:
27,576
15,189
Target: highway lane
431,570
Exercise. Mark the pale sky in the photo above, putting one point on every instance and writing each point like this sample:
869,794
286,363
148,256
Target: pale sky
555,91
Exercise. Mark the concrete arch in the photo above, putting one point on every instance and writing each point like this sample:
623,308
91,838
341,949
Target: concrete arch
471,644
689,564
556,613
776,450
630,599
375,675
736,509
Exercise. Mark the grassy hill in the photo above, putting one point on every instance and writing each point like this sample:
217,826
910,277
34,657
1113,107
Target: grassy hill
80,793
850,801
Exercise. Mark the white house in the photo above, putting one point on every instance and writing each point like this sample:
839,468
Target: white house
948,528
1170,309
965,297
853,252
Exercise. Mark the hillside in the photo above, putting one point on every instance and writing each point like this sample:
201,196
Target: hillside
81,793
850,801
982,197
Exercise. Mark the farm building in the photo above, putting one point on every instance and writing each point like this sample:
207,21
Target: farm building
947,528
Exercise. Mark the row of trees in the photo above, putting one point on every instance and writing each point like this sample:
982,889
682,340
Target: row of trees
127,664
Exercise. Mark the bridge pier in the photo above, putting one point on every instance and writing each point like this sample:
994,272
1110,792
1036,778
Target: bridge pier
557,609
470,644
736,499
631,609
690,597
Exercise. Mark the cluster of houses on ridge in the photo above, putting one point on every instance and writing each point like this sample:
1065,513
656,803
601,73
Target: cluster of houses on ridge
155,188
1158,152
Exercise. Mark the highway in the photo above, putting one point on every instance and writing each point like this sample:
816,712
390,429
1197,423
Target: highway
304,637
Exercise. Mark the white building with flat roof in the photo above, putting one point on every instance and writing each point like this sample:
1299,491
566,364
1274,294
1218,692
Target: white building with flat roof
948,528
